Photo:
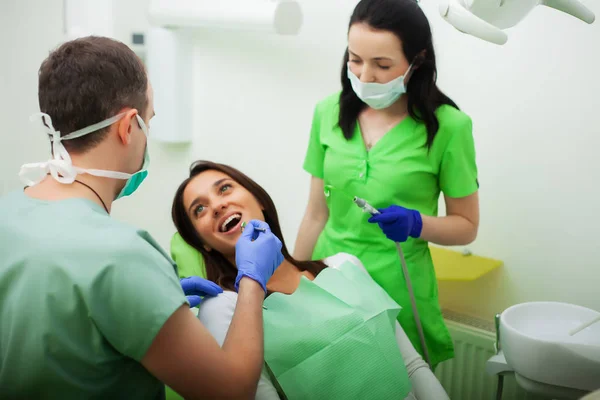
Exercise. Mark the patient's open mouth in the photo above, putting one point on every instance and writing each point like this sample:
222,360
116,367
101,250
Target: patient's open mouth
230,223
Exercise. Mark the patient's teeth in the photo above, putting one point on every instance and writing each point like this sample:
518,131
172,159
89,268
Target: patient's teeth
228,220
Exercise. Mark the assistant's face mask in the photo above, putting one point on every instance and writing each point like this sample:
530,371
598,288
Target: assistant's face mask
378,95
61,168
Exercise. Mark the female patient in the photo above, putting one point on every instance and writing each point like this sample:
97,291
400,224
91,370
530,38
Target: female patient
208,210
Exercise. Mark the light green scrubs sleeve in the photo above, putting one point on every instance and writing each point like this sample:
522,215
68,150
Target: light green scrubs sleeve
315,154
134,296
458,169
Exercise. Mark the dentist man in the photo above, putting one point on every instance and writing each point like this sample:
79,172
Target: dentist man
91,307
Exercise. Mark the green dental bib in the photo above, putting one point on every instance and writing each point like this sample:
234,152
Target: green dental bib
334,338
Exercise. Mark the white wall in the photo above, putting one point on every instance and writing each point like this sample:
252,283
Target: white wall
532,102
28,30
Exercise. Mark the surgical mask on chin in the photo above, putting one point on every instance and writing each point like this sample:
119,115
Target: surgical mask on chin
378,95
61,168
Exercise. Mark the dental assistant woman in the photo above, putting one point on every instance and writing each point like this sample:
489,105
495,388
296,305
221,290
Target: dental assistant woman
91,308
393,138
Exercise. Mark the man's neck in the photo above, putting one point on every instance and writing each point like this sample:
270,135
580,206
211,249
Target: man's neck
99,190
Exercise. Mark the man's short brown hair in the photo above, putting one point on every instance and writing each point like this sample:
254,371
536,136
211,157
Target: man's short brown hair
87,80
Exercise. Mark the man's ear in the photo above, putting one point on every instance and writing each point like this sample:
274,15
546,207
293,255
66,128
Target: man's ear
124,127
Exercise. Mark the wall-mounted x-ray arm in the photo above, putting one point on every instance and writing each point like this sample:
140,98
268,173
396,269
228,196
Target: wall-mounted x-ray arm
170,49
282,17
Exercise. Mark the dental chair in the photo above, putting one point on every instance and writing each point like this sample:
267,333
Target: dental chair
189,260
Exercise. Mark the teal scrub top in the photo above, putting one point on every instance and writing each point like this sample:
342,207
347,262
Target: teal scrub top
82,297
397,170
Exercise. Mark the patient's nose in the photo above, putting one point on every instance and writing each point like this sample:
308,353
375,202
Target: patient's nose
220,208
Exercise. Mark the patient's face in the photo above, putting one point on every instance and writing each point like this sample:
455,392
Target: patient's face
217,205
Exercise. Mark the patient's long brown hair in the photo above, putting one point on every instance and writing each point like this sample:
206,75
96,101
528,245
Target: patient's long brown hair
218,268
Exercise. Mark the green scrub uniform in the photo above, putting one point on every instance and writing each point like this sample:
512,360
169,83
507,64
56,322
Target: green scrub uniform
397,170
82,297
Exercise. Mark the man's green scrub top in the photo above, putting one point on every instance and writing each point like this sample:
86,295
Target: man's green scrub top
82,297
400,170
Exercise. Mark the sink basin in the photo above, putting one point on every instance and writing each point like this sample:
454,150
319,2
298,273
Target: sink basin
536,344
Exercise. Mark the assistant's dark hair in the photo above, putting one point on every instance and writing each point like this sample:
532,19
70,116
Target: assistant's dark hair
406,20
218,268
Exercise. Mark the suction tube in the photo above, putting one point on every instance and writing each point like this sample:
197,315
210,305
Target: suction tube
366,207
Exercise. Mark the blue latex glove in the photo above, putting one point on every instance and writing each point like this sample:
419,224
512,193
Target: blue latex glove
257,254
398,223
195,288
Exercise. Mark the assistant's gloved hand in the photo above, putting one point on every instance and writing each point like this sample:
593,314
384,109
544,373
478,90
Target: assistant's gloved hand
398,223
257,254
195,288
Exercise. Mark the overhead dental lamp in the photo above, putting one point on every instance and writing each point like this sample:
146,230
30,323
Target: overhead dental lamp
486,19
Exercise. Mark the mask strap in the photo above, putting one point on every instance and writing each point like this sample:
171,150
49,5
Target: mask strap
93,128
142,125
417,61
408,74
106,174
61,166
55,135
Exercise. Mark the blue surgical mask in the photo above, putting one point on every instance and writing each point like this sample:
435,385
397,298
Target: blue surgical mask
61,168
378,95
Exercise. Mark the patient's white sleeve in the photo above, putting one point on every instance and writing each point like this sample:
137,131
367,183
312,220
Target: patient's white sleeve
216,314
425,386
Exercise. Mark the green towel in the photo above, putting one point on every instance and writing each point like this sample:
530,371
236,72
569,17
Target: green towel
334,338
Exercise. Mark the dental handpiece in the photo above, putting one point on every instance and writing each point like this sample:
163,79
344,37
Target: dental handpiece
366,207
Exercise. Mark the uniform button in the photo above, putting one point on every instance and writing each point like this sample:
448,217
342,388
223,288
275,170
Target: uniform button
361,175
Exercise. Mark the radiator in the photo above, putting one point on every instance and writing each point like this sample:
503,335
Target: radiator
464,377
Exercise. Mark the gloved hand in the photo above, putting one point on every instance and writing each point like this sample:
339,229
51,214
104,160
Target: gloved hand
194,287
398,223
257,254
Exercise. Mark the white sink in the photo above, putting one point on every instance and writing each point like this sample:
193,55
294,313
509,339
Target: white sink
536,344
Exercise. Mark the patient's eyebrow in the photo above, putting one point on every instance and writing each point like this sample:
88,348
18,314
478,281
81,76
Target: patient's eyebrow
218,183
